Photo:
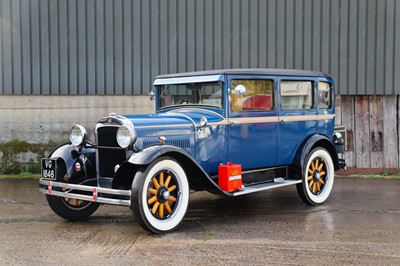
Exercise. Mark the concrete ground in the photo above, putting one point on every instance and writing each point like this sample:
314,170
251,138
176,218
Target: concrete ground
358,225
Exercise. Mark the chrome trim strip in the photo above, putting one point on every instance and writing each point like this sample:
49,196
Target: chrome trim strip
193,79
164,126
257,120
299,118
324,117
183,110
95,190
223,122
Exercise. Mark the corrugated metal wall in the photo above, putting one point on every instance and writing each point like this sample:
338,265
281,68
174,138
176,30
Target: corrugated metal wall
119,46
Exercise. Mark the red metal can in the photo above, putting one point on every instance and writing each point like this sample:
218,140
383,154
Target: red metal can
230,177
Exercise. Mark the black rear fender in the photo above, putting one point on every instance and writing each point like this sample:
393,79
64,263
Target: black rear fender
296,169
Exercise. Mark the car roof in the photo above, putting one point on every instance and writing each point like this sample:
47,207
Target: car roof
249,71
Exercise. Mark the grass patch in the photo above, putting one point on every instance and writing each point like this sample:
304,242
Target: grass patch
385,173
371,173
383,176
210,235
20,176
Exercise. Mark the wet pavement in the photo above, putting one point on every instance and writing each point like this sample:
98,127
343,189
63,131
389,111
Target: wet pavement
358,225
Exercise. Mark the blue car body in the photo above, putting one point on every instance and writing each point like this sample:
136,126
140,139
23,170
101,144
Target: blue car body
271,122
222,140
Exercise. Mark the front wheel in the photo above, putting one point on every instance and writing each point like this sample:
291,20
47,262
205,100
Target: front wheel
160,195
318,177
67,208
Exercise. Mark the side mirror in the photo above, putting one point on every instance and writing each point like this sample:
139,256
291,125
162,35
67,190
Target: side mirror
152,95
240,89
203,121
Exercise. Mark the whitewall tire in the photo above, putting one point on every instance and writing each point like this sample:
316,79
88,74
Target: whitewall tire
318,177
160,195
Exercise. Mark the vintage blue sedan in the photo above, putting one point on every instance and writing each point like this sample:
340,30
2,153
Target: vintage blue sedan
230,132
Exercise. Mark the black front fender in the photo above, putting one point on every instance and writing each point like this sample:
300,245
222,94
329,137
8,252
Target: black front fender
146,156
123,178
68,154
197,177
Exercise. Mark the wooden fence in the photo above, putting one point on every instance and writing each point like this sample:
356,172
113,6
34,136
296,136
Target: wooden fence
373,124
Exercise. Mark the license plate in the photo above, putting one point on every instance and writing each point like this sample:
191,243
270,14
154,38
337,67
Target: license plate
49,168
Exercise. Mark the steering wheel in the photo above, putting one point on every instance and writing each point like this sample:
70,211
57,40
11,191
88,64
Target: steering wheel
185,101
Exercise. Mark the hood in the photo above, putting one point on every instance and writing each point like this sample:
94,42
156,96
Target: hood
178,126
176,117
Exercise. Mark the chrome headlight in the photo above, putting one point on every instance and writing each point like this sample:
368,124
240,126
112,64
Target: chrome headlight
78,135
125,136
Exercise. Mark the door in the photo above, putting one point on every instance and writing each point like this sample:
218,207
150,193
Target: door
252,122
326,110
297,116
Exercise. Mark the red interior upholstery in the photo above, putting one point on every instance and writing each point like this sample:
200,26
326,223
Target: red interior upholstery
258,102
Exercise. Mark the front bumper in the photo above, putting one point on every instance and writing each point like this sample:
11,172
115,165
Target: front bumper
86,193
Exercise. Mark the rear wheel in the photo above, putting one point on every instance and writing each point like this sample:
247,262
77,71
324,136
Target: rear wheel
160,195
318,177
67,208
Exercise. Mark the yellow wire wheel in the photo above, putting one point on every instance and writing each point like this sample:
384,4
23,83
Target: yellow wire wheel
69,202
160,195
318,177
69,208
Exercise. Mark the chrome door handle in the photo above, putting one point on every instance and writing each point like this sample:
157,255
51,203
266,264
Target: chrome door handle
284,120
235,123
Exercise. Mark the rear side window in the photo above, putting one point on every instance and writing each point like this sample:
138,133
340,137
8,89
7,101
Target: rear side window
252,95
324,95
296,95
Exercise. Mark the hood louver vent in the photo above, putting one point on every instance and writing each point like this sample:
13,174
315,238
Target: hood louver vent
182,143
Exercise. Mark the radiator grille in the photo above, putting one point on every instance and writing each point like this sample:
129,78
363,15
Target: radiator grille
108,158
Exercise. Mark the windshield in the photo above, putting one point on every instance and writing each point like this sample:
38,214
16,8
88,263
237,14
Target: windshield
209,94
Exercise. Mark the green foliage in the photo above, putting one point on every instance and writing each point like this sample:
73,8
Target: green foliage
385,173
9,163
209,235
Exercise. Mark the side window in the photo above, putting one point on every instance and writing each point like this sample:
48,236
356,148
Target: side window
296,95
252,95
324,95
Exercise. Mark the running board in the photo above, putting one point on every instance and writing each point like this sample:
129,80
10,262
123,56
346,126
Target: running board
279,182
